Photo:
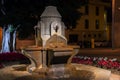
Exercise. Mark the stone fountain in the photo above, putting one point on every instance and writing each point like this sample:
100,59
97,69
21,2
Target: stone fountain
51,44
51,55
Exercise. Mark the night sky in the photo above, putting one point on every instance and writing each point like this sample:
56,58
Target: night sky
27,12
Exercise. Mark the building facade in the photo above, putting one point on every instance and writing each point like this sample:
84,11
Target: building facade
93,25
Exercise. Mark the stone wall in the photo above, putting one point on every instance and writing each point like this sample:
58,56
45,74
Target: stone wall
24,43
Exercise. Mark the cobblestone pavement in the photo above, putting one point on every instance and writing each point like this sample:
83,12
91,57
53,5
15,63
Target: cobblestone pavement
24,75
115,77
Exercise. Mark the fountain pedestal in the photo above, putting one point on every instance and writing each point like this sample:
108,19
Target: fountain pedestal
45,57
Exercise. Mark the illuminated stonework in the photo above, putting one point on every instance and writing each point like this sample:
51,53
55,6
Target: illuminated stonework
50,32
50,19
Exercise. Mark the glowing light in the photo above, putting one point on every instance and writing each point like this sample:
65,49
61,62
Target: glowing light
119,8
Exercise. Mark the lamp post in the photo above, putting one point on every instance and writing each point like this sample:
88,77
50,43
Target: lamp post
113,22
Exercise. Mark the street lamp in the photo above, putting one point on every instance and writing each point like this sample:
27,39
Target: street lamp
119,8
113,22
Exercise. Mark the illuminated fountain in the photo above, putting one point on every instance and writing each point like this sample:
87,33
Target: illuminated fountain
51,55
51,45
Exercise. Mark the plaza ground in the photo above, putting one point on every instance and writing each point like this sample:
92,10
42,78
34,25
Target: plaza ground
108,52
8,73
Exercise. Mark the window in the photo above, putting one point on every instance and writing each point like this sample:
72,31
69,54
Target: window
86,10
89,35
86,24
97,11
97,24
99,35
94,35
73,38
84,36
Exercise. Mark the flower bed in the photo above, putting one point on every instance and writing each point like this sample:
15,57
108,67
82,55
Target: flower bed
11,56
102,62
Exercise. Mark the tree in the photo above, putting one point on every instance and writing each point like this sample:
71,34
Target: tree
9,38
27,13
